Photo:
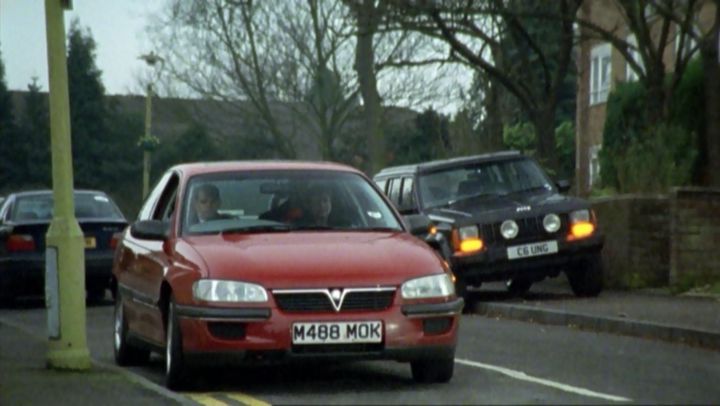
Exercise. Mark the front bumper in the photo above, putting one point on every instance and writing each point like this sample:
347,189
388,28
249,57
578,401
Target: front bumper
492,264
417,331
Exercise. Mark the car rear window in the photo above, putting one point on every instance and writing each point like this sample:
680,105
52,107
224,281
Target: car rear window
87,205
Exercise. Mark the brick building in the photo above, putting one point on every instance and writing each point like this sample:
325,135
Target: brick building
601,67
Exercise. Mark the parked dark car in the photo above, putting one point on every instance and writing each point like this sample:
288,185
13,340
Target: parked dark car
24,221
245,262
499,217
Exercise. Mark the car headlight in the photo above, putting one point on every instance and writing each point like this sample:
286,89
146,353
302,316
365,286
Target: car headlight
428,286
212,290
509,229
551,222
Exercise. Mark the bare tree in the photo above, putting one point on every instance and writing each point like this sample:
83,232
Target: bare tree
276,64
474,31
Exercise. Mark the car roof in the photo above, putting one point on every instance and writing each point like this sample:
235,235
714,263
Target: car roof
49,191
431,166
199,168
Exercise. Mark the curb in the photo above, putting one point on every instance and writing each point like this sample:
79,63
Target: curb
614,325
128,375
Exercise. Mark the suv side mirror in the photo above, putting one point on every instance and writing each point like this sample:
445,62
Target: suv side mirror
563,185
150,230
417,223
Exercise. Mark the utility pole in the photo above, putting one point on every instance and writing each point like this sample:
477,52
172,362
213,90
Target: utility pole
148,142
65,245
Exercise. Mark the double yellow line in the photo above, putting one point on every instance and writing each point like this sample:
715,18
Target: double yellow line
213,399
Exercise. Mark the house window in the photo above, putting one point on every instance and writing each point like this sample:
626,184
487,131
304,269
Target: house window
600,73
630,74
594,165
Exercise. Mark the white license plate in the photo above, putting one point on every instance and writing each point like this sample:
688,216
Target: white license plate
337,332
532,250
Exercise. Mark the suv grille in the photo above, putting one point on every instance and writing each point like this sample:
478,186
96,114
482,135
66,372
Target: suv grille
530,229
321,301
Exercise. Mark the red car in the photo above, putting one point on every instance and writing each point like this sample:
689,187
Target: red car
272,261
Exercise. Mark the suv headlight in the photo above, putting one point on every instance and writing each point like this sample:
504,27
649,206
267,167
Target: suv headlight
579,215
427,287
212,290
551,222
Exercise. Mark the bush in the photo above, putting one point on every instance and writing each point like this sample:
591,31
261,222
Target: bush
521,137
656,161
638,156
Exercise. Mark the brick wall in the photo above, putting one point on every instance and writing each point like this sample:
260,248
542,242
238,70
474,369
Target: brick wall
636,229
655,241
695,230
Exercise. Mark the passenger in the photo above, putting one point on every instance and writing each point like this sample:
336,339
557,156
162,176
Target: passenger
319,208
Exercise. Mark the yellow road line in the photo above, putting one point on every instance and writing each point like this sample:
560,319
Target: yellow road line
206,399
246,400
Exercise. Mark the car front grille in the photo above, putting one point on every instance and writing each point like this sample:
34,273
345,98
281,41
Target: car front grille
530,229
321,300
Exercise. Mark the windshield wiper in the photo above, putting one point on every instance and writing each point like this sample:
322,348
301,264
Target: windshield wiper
470,197
260,228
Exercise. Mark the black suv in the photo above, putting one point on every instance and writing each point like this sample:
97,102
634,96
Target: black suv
499,217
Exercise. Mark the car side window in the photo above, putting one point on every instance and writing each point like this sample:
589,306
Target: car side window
394,190
407,197
147,208
166,203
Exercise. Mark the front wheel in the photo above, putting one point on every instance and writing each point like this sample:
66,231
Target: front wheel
125,353
518,286
586,278
174,363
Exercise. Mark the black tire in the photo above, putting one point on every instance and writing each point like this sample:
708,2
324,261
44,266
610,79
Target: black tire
586,278
95,293
125,353
518,286
433,370
175,370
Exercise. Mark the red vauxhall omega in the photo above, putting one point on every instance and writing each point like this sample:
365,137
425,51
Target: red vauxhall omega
249,261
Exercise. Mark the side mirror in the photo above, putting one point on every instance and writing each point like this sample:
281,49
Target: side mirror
150,230
563,185
417,223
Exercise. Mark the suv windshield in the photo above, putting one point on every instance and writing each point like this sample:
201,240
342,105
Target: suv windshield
283,201
445,187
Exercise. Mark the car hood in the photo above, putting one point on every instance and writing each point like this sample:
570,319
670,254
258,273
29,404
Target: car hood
315,259
498,208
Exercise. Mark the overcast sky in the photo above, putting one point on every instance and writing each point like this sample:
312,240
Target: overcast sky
116,25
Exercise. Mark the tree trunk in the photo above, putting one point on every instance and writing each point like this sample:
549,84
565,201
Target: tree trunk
711,70
544,122
493,139
365,67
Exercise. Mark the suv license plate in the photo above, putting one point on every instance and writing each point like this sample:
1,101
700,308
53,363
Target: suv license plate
337,333
532,250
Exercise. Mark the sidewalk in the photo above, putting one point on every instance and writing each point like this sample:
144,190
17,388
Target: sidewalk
654,314
24,380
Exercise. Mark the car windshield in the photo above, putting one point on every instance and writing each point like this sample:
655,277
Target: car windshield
284,201
87,205
487,179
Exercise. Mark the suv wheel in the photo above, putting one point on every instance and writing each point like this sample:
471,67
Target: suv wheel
433,370
518,286
586,278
